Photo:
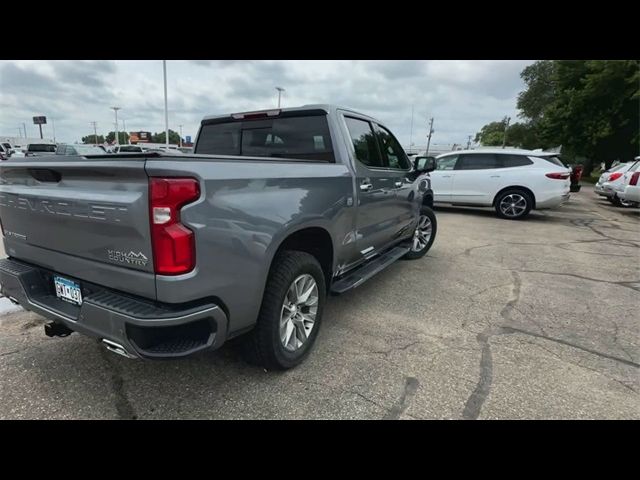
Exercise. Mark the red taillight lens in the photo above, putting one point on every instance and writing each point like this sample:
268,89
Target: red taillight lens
558,175
174,249
634,178
614,176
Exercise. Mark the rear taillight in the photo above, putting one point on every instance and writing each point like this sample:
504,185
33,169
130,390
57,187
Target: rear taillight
614,176
558,175
174,249
634,178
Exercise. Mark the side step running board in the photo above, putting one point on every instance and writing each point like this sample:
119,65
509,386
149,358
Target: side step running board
368,270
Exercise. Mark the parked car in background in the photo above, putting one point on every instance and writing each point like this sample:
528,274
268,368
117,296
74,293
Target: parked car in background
512,181
78,149
609,180
626,189
4,154
39,149
128,149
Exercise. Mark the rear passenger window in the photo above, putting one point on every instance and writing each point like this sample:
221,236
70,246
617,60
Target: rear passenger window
514,161
393,155
478,161
364,142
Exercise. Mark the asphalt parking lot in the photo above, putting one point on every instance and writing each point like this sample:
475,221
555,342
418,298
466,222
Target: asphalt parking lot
533,319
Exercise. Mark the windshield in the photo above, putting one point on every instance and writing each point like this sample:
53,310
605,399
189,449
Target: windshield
42,148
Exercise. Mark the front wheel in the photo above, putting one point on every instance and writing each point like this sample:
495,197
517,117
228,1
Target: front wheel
290,314
424,234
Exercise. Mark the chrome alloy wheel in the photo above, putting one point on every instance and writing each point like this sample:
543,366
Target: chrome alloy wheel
422,235
298,314
513,205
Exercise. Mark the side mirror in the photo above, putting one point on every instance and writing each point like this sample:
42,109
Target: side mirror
424,164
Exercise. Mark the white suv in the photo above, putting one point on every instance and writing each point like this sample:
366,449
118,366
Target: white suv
511,181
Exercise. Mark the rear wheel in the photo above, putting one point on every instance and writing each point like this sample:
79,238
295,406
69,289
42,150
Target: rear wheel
290,314
618,202
513,204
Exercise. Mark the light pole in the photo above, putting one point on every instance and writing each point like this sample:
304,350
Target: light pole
469,142
95,132
280,90
506,125
115,109
181,136
124,130
166,110
53,124
24,125
411,130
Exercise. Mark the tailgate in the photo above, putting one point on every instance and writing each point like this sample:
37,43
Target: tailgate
84,217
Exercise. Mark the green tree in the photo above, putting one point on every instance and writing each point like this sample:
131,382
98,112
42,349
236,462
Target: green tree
91,139
595,112
174,137
540,90
492,134
123,137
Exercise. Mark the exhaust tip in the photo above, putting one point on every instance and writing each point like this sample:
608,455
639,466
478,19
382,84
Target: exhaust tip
116,348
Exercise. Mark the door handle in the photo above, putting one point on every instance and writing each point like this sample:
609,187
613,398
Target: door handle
365,187
398,184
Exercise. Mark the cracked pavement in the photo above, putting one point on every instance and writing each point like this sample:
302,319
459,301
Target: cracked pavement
532,319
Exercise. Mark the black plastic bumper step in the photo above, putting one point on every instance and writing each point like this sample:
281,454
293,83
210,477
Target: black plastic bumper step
368,270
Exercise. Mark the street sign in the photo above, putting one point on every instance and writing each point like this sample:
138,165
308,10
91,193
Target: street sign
188,138
39,120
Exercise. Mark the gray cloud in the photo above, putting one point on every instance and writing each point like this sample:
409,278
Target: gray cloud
461,95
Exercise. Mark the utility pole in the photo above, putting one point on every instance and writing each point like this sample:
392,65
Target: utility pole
24,125
95,132
469,142
53,124
280,90
411,131
166,110
20,132
180,135
115,109
506,126
430,133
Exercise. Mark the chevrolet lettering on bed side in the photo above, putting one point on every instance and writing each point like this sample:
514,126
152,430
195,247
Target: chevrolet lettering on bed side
94,211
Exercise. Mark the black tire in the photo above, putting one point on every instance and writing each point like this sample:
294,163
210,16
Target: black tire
415,254
517,193
618,202
262,346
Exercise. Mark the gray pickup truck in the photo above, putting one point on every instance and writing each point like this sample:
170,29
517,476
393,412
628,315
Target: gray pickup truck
160,255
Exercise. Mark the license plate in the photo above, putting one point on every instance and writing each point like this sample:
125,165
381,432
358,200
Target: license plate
67,290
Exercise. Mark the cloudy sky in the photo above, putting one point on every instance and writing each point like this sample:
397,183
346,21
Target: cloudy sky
462,96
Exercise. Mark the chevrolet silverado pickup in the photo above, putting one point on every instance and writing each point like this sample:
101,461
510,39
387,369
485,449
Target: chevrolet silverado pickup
159,255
